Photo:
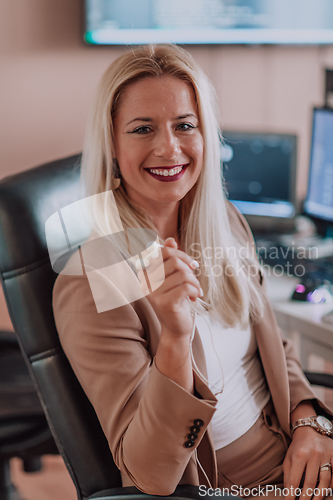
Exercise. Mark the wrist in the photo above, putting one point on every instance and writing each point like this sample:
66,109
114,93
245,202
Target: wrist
304,409
303,432
169,337
173,359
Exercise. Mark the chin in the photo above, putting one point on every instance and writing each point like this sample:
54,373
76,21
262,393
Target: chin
171,198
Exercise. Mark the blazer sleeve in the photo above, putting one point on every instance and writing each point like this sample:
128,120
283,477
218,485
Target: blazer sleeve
145,416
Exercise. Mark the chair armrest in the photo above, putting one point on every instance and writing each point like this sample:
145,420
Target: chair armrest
182,492
322,379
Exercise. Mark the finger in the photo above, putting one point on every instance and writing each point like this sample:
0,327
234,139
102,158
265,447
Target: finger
170,266
175,280
175,264
148,256
331,481
293,472
310,480
158,280
170,242
172,253
151,278
182,292
169,256
322,490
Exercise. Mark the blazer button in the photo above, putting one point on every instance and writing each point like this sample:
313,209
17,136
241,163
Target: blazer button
195,429
189,444
198,422
192,436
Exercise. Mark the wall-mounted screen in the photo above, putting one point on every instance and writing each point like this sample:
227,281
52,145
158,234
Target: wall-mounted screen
117,22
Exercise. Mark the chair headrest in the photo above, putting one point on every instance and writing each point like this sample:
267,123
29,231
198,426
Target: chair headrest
27,200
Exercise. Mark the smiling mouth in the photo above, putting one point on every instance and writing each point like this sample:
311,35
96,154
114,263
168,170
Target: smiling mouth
167,171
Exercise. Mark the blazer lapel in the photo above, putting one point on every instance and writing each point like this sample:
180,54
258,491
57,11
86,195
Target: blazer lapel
267,334
274,364
206,450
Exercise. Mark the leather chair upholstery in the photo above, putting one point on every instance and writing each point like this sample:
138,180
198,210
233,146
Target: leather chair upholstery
27,200
24,431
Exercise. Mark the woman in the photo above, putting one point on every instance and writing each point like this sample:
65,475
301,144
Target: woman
153,139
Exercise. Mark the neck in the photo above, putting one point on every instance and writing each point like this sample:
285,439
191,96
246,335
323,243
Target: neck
163,214
166,221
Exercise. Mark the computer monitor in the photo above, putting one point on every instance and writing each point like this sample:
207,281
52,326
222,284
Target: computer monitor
319,200
259,171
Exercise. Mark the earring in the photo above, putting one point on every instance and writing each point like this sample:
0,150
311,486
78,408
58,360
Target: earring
116,181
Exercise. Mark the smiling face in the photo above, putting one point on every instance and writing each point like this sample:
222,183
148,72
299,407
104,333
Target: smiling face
158,141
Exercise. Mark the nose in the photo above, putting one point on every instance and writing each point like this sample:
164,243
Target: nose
166,145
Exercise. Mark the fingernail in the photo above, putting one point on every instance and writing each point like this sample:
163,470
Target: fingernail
170,238
201,292
194,263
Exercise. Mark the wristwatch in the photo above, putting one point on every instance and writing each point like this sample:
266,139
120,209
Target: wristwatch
319,423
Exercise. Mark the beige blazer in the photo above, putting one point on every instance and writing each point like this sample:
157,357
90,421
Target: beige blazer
145,416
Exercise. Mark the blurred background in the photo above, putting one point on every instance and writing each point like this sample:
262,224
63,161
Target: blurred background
48,76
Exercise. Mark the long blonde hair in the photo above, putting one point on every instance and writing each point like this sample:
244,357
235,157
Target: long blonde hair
203,220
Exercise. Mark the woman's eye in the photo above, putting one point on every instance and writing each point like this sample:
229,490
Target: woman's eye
142,130
185,126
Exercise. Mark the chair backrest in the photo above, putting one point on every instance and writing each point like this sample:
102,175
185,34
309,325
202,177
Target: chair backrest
27,200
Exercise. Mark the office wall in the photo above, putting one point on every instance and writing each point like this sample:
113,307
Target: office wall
48,77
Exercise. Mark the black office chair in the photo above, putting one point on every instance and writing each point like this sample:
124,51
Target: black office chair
24,431
27,200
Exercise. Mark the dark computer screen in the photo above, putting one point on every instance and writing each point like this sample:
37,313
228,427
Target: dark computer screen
319,200
259,172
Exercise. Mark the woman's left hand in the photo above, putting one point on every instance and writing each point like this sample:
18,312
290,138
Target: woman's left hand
307,452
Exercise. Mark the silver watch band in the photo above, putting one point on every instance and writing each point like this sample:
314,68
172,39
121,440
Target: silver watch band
302,422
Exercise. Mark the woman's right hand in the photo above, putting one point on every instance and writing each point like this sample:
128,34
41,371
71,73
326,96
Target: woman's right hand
170,300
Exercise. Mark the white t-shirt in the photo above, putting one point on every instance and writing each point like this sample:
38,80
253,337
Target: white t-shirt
233,366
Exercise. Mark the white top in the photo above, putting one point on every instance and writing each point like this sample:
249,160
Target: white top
233,366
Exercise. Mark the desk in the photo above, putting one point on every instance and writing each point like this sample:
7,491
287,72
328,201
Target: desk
301,321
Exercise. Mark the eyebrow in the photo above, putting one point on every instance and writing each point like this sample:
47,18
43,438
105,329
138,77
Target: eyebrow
140,120
181,117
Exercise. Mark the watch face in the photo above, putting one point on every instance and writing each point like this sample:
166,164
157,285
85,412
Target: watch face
324,423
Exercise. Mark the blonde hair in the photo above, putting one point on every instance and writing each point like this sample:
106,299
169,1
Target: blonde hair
203,220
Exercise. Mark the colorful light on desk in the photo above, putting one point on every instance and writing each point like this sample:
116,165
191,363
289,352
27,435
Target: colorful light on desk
319,296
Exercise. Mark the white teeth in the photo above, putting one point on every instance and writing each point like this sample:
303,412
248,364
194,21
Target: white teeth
166,173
